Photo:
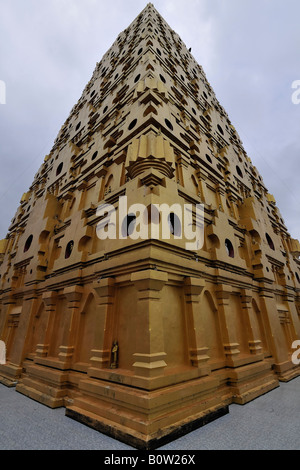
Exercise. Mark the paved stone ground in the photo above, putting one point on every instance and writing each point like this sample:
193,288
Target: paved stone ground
271,422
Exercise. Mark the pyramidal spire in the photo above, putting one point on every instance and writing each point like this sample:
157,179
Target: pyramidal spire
148,279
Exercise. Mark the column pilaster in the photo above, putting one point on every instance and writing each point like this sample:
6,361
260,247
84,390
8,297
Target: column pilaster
230,343
193,288
105,289
50,301
150,356
73,295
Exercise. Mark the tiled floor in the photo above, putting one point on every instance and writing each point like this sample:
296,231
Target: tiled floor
271,422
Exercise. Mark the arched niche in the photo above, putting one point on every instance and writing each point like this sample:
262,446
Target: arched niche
39,326
44,235
259,329
86,330
211,327
60,326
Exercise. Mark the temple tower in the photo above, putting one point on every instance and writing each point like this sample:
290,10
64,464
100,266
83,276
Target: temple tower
145,335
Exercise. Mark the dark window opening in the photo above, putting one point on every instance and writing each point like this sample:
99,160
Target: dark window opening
270,242
229,248
132,124
69,249
59,168
174,224
128,225
239,171
169,124
220,129
28,243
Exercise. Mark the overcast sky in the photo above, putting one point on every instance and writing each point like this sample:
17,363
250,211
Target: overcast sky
249,49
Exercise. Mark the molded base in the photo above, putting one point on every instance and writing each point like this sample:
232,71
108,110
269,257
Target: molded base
139,441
